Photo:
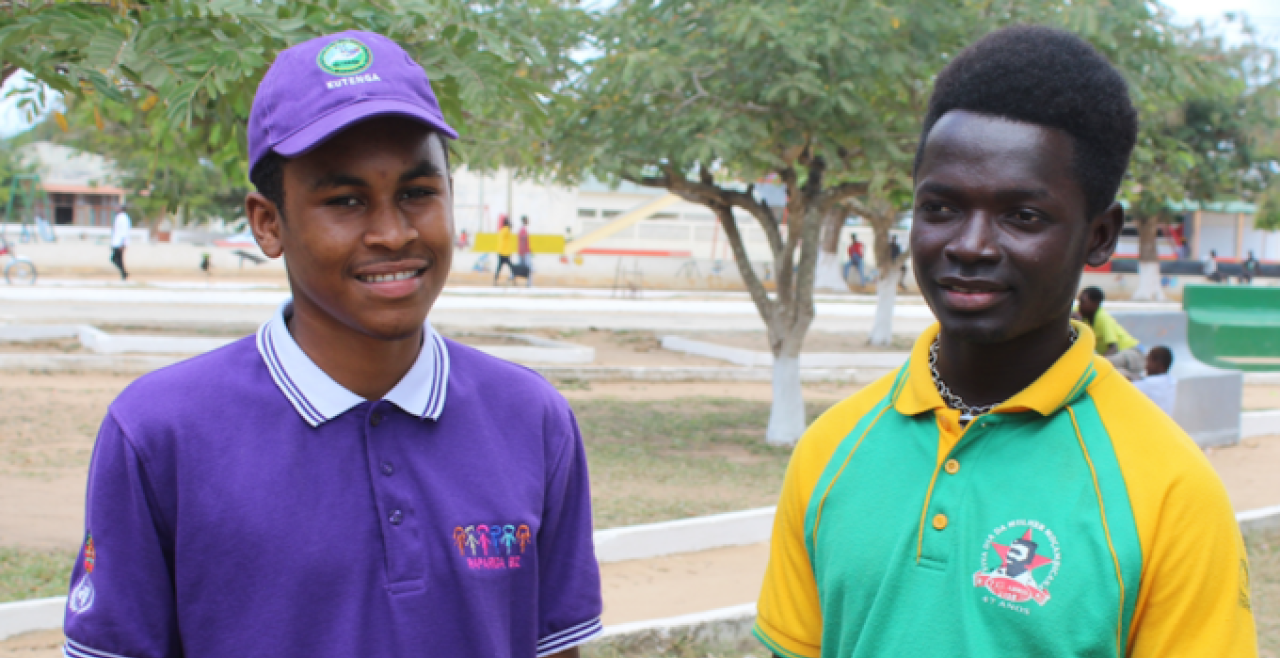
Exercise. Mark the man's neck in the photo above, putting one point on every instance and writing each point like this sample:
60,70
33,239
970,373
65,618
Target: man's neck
990,373
366,366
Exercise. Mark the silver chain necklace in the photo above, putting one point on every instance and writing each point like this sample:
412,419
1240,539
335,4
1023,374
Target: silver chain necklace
967,413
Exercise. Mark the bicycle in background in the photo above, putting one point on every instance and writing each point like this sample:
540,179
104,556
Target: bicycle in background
18,270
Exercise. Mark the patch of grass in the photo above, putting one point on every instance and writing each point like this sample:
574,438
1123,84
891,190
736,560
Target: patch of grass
30,574
660,460
1264,575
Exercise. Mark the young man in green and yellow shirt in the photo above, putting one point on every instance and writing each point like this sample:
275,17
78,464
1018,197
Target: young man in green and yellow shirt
1007,492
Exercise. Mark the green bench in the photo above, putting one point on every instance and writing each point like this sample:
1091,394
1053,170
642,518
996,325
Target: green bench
1236,327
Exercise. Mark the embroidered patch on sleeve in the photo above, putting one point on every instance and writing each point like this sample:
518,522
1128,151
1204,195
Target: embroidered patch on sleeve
81,597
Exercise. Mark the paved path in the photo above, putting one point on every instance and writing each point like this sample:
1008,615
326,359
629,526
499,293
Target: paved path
233,303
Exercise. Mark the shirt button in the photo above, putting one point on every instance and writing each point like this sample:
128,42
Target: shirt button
375,419
940,522
396,517
952,466
387,468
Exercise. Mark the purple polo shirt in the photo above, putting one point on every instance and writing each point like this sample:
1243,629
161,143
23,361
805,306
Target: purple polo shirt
242,503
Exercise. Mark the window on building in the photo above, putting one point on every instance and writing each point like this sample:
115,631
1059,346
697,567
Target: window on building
608,214
586,212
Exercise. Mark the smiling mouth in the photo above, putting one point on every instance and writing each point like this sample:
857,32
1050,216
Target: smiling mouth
392,276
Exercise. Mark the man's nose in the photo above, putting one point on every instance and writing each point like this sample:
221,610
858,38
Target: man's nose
975,240
389,228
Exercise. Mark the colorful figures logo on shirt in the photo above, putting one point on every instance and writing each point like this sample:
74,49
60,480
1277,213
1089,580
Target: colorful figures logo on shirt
489,547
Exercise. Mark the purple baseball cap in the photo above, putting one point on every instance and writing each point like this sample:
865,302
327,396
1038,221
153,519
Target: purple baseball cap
320,87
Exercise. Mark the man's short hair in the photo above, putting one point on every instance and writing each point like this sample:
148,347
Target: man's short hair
1051,78
1162,355
1094,294
268,175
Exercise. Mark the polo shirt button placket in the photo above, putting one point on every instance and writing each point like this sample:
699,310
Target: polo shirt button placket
375,419
952,466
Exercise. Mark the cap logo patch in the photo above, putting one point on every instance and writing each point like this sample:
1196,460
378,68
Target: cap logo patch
344,57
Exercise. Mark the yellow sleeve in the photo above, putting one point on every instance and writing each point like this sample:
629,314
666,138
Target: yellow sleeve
1193,600
789,617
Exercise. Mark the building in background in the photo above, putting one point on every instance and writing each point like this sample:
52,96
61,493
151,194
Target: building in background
79,187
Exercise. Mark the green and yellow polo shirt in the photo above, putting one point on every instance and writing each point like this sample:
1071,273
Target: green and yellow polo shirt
1075,520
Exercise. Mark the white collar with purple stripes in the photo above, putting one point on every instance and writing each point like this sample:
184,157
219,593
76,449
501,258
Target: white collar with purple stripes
318,398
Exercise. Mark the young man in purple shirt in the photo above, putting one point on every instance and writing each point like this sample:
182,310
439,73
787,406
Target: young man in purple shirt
339,484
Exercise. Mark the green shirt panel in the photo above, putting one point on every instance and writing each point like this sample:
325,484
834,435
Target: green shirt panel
1024,566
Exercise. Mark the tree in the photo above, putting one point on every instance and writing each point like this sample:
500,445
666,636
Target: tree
177,78
702,98
1205,108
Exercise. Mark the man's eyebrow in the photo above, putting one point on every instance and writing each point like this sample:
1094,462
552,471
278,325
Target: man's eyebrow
932,187
1019,193
338,180
1009,194
424,169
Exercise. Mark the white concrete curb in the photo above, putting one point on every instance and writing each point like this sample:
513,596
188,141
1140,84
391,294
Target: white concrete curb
753,358
745,611
538,350
701,533
1262,377
612,545
129,364
1259,519
32,615
703,374
1259,423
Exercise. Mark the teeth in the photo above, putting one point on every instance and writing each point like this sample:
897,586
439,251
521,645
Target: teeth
383,278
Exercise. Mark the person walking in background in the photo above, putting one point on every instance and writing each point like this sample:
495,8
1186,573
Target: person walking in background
1211,271
1114,342
522,244
120,228
1248,269
1159,385
506,247
855,260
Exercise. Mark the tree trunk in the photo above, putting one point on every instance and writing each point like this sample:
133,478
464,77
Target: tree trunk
789,312
886,295
786,415
888,269
830,273
1148,261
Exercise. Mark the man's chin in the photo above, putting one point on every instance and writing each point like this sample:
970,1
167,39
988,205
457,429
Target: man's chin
390,327
977,330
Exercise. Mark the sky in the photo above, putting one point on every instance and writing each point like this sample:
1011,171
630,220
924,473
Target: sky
1264,14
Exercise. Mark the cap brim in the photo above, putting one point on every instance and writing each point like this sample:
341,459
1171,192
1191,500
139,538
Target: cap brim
320,130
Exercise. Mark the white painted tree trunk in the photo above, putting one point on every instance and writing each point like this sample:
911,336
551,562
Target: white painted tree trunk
1149,283
886,294
829,275
786,416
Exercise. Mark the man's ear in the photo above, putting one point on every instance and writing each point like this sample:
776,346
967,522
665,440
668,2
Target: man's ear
1104,233
266,222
